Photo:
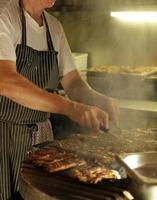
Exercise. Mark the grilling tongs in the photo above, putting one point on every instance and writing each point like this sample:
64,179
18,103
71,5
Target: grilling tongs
114,124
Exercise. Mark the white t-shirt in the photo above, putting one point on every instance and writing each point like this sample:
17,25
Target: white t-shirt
11,32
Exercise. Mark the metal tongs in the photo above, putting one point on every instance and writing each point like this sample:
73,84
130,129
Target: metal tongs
115,125
104,130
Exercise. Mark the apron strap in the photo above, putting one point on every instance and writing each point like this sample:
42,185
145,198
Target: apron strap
49,40
23,21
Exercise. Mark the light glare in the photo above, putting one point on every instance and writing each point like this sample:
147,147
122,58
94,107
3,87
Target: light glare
136,16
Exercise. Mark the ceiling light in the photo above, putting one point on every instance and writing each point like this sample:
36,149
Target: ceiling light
135,16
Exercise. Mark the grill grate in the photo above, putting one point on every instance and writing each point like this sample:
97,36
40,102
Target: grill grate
60,187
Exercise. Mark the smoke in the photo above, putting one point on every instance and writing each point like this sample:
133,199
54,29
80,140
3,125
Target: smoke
89,28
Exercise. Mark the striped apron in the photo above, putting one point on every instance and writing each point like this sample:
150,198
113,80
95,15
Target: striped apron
15,138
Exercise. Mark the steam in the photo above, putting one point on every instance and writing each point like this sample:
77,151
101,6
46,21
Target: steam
90,28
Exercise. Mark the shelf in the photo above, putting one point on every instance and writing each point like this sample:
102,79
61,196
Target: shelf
138,105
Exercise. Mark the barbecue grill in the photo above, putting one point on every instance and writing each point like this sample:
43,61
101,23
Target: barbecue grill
38,184
41,185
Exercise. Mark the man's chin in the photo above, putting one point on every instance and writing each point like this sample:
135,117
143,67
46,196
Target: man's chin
50,5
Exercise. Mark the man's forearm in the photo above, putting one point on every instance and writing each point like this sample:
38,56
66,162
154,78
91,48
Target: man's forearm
24,92
83,93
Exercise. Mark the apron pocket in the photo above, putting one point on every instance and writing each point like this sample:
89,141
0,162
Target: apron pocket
42,132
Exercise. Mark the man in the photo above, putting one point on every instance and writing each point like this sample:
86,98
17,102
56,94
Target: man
33,52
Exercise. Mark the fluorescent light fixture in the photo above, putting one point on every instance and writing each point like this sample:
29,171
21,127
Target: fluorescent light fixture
135,16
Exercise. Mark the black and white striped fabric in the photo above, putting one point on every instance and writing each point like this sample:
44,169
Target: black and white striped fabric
42,132
15,141
15,134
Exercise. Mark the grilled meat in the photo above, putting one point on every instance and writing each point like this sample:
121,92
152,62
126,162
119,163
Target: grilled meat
92,174
54,159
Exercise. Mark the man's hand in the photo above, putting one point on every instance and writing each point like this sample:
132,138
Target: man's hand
109,105
89,116
80,91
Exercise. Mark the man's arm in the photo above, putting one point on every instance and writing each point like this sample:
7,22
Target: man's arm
80,91
19,89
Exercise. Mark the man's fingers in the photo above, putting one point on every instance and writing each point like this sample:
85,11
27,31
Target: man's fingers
104,120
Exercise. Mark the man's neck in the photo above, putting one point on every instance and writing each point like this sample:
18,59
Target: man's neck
34,10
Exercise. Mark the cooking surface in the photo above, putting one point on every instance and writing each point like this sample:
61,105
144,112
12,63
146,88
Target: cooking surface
100,144
37,184
101,147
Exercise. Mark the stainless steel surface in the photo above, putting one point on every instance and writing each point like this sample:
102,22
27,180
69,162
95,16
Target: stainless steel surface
142,167
128,86
139,105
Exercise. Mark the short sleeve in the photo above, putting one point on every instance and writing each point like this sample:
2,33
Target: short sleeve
65,58
7,49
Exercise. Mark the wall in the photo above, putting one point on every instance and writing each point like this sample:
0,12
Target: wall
108,41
